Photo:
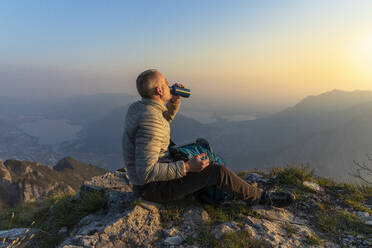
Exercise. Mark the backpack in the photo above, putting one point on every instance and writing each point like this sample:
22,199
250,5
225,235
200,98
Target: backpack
211,195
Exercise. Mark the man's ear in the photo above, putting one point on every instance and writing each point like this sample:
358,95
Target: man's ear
158,90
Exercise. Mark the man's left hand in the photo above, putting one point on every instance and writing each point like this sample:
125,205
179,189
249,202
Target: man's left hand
177,99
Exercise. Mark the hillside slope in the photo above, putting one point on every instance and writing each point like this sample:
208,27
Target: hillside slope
106,213
330,130
22,181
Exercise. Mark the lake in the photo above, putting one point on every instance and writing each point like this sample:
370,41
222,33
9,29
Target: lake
51,132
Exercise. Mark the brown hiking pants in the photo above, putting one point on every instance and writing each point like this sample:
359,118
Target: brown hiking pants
213,175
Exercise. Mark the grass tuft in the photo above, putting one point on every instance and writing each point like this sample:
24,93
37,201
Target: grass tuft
313,240
292,175
341,221
234,211
51,215
289,228
173,211
240,239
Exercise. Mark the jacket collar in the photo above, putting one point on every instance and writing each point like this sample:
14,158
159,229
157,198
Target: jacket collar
154,103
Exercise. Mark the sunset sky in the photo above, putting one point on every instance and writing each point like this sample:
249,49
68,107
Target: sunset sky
265,51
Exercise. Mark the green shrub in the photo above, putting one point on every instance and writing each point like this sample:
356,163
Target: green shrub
173,211
234,211
292,175
313,240
326,182
240,239
340,221
172,214
67,212
354,195
51,215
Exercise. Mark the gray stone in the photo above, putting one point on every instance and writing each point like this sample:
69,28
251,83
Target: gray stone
110,182
138,226
172,231
369,222
62,230
195,217
123,222
312,185
254,177
175,240
366,242
228,227
275,234
361,214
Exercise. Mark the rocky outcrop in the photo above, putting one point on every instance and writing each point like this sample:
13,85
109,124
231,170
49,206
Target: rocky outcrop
278,227
130,221
22,181
120,225
5,177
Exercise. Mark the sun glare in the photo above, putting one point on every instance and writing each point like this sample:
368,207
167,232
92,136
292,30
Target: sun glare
363,56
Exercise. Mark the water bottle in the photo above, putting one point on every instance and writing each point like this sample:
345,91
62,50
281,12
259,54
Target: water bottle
178,91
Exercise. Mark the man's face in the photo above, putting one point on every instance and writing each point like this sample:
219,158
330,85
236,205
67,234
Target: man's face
164,85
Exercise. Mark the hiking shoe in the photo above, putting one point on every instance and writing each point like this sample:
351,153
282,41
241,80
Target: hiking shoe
277,199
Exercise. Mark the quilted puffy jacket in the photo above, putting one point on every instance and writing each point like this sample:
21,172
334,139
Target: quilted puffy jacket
146,140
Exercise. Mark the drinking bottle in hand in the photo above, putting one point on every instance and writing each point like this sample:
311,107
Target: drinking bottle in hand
178,91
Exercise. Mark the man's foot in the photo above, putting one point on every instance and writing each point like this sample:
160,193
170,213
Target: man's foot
277,199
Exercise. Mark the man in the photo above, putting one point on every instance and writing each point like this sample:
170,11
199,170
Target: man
157,178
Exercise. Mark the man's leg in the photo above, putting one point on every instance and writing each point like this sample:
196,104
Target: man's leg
213,175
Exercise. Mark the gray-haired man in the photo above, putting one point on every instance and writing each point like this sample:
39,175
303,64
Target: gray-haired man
145,143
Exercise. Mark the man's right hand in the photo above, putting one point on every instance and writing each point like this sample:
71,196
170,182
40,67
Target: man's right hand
196,163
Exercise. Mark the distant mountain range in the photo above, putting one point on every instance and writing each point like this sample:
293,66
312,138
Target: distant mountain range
22,181
327,132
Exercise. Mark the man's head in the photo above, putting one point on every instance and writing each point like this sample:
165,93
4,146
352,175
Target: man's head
152,84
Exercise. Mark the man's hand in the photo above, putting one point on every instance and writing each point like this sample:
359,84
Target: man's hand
177,99
197,164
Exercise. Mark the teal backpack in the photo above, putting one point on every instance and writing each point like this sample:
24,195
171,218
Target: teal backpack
211,195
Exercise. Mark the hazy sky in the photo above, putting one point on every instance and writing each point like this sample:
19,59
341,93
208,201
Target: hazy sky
263,51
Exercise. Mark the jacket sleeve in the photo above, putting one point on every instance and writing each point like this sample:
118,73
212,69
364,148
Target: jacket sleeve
172,111
149,137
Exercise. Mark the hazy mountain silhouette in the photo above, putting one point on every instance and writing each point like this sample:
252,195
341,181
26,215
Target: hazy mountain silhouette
310,126
327,131
331,152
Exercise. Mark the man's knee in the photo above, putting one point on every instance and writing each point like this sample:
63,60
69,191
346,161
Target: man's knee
220,168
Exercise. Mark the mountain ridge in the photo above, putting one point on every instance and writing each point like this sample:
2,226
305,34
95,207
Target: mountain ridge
22,181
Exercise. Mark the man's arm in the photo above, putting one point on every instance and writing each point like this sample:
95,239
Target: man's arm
173,107
149,137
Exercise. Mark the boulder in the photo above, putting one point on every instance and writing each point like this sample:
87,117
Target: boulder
312,186
224,228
